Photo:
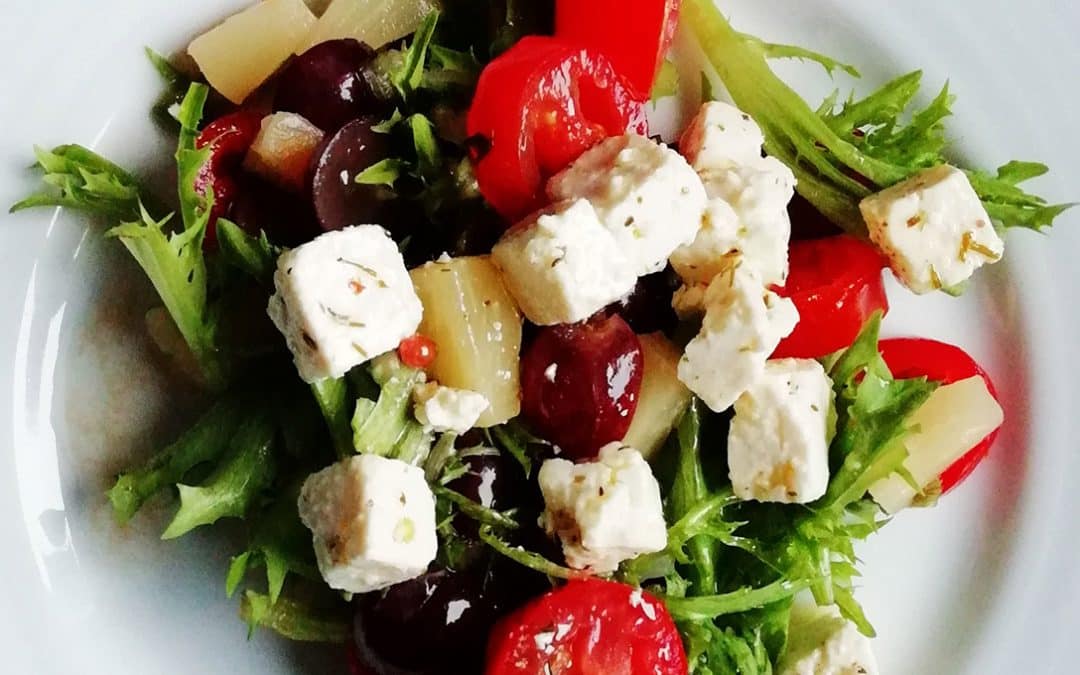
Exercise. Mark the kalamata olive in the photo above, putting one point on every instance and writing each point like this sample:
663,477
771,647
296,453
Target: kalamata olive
434,624
807,222
327,84
228,139
287,218
580,383
339,200
648,307
492,480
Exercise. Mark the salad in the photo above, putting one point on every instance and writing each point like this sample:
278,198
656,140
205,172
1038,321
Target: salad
499,382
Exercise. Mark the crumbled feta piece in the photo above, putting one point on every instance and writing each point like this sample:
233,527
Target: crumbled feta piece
606,511
721,136
747,214
933,228
372,520
563,265
688,301
444,409
341,299
644,192
822,642
778,442
744,321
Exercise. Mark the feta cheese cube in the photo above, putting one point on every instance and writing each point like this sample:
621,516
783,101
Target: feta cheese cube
824,643
778,442
744,321
341,299
644,192
606,511
372,521
747,214
721,136
445,409
933,228
563,265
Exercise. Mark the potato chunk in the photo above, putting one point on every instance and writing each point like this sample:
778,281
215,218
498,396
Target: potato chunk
477,330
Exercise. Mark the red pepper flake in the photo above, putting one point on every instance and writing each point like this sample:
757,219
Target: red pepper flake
356,287
417,351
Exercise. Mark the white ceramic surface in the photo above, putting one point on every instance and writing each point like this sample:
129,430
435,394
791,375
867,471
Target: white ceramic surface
984,584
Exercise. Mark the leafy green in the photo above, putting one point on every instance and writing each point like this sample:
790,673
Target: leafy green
379,428
408,76
175,83
687,491
205,441
520,555
478,512
79,178
245,470
667,82
841,155
255,256
332,395
384,172
295,620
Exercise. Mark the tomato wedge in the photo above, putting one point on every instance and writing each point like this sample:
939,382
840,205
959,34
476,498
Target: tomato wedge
944,363
836,285
636,44
588,627
537,107
228,138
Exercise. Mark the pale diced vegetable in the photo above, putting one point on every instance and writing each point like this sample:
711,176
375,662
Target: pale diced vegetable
282,151
376,22
240,53
952,421
477,331
663,398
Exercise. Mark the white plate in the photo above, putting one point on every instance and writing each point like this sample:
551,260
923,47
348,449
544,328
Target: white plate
983,584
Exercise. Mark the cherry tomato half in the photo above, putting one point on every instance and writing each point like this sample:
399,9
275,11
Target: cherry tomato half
588,627
636,47
944,363
836,285
228,138
537,107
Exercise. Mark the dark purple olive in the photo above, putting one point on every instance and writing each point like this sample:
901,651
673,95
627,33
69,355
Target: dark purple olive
807,222
424,626
495,481
327,84
287,218
339,200
648,307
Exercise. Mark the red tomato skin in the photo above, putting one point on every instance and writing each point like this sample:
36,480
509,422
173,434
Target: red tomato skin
836,284
418,351
537,107
648,23
228,138
605,628
944,363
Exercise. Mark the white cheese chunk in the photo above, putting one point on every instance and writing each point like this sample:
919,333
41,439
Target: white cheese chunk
952,421
444,409
372,520
721,136
341,299
744,321
644,192
688,301
933,228
606,511
778,442
747,214
563,265
822,642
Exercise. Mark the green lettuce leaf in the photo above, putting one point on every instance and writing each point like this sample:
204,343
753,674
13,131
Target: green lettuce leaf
242,473
205,441
296,620
334,401
842,154
255,256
